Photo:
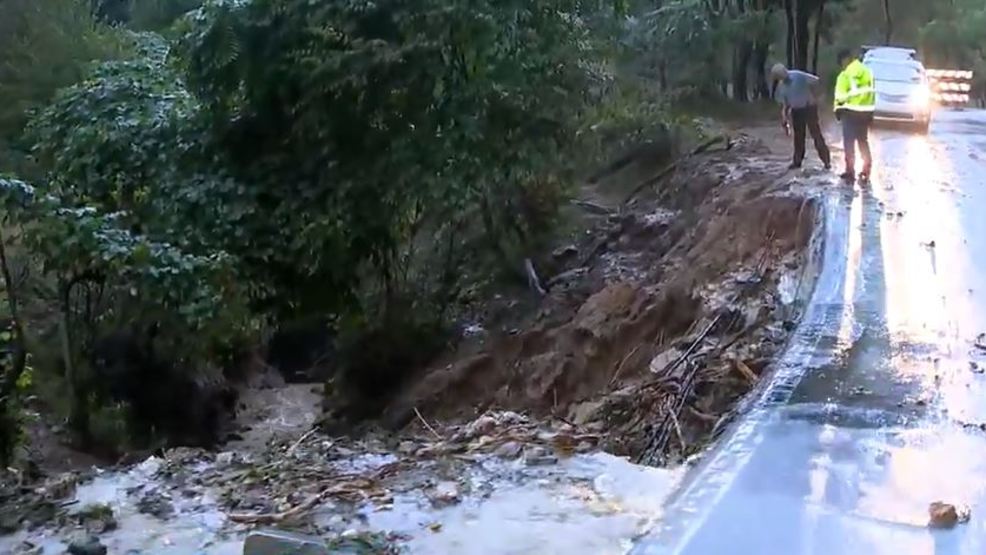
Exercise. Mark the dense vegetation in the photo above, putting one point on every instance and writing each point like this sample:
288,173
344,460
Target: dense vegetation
182,177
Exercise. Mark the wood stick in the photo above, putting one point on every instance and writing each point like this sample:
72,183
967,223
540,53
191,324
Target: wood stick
426,424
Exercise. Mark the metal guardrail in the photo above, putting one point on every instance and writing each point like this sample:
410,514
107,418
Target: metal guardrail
950,87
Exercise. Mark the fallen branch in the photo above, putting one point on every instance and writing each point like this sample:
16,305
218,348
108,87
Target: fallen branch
426,424
301,440
532,277
274,518
592,207
746,371
355,486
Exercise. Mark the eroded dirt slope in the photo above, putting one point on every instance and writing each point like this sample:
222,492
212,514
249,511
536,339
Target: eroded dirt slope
656,321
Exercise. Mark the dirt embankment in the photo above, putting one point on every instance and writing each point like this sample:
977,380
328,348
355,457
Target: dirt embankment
657,320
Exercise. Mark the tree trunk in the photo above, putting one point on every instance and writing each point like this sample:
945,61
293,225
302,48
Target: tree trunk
818,35
78,407
802,17
789,16
741,65
760,51
889,21
8,380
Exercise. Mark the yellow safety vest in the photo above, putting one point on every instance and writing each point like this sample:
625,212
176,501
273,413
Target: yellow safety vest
854,89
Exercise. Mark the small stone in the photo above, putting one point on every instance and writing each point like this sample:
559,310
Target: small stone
407,447
565,252
942,515
445,493
155,504
975,368
87,546
509,450
538,456
278,542
435,527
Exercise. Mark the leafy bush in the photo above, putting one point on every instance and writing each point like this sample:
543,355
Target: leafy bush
291,158
44,45
364,124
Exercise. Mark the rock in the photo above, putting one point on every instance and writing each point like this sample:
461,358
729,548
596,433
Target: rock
278,542
444,494
945,515
586,412
154,503
509,450
87,546
660,363
536,455
565,252
96,518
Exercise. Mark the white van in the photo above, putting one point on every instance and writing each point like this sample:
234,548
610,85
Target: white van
889,53
903,93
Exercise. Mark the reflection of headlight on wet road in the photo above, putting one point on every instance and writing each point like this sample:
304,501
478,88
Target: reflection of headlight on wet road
920,97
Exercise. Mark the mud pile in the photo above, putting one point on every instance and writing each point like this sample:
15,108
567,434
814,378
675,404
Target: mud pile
655,322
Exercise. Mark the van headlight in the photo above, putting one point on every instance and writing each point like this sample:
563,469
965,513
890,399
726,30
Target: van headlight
921,97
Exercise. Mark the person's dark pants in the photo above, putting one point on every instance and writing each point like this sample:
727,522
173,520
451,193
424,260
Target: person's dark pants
856,131
807,118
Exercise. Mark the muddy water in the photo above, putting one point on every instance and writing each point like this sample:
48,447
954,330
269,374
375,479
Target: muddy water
591,504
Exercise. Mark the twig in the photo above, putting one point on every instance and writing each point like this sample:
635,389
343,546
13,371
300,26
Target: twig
426,424
347,488
273,518
592,207
301,440
532,277
623,362
691,348
677,429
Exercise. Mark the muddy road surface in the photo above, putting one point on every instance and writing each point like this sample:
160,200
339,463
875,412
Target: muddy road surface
878,408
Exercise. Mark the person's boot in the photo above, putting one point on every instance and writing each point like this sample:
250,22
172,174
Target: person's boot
794,166
864,178
848,176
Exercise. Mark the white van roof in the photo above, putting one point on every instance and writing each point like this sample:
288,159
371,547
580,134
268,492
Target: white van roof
889,53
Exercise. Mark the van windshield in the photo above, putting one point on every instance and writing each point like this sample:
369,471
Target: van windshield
899,73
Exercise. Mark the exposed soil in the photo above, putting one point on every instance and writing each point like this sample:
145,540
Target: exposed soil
670,302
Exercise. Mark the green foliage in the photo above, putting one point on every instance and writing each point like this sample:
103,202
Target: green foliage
44,45
159,15
76,243
363,124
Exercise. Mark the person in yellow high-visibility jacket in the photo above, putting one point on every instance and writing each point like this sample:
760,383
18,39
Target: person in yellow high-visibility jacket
855,102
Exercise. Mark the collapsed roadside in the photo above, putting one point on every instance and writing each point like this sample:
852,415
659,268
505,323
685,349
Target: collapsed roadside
661,311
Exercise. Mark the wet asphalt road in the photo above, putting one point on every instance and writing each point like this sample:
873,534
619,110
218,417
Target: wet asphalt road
872,412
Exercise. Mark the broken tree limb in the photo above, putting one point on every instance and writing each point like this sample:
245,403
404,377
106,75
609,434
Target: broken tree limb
593,207
426,424
532,277
670,168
